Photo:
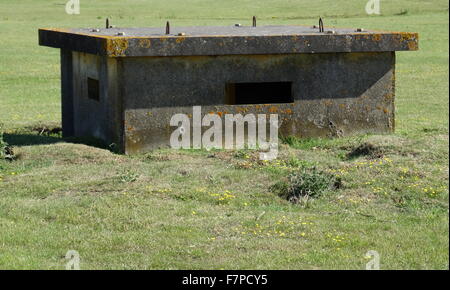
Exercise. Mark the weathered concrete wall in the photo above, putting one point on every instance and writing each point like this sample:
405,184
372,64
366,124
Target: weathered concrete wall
335,94
102,118
67,98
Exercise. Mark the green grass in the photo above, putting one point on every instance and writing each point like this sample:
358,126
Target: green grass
212,210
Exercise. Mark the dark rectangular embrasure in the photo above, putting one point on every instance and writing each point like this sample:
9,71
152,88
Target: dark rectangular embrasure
93,89
259,93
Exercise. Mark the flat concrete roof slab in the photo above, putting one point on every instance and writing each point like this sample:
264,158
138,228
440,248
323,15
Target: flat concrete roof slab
216,31
225,40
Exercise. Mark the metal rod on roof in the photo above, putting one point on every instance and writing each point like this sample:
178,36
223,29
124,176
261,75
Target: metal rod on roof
167,27
321,25
254,21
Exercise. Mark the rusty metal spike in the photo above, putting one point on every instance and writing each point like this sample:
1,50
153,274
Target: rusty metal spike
321,29
107,23
167,27
254,21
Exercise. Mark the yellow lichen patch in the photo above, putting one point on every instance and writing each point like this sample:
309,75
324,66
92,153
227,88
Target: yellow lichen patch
145,43
116,46
220,114
180,39
412,45
242,110
376,37
411,39
409,36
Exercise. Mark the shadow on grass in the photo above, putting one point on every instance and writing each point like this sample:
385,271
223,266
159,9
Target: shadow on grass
18,139
29,139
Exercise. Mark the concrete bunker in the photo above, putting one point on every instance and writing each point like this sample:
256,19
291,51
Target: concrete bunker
122,85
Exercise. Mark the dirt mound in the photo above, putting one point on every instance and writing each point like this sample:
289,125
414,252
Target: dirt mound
368,150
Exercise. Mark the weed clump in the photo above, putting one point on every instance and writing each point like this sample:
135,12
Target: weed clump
129,176
402,12
3,144
6,151
47,130
304,183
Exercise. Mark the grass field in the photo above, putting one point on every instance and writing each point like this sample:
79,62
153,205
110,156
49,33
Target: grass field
214,210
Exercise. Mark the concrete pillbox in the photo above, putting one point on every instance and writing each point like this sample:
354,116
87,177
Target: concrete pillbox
122,85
